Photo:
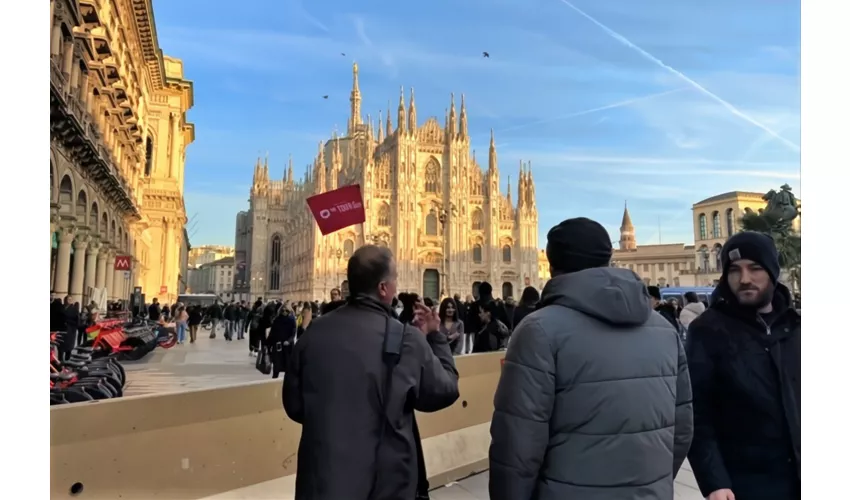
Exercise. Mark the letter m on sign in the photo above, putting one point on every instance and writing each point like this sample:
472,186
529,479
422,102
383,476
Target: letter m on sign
122,262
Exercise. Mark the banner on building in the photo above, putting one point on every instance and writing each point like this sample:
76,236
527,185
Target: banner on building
337,209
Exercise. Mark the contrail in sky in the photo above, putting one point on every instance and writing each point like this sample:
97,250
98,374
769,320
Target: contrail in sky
658,62
619,104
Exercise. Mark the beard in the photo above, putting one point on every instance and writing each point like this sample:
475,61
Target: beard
757,301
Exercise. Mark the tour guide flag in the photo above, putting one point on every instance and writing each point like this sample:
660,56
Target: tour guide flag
337,209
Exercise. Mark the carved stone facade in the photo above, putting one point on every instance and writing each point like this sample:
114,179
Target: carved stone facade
426,197
117,148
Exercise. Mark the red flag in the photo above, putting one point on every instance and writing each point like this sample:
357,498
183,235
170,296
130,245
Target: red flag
337,209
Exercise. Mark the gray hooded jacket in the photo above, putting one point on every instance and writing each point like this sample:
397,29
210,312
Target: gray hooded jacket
595,399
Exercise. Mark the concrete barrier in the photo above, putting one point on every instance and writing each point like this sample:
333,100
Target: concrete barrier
234,442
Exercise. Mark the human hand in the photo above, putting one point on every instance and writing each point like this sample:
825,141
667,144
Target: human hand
724,494
425,318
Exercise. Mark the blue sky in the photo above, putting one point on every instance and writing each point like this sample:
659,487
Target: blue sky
658,102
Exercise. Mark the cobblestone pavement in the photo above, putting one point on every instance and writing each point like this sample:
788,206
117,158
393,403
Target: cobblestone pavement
475,487
205,364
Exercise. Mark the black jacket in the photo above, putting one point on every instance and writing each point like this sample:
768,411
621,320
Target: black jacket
594,401
334,389
746,386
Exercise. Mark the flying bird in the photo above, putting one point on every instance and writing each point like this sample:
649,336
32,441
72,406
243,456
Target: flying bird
342,54
324,97
486,54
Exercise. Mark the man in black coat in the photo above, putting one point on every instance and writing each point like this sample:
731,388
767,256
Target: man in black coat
335,389
744,357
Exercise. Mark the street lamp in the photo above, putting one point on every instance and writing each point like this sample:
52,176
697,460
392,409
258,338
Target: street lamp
443,217
338,263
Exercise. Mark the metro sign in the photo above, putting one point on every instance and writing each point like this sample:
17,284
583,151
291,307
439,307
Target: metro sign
123,262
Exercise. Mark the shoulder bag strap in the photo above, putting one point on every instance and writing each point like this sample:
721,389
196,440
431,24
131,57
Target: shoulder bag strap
393,339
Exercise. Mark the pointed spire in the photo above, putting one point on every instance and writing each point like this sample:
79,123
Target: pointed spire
464,128
452,117
354,120
509,190
627,218
401,118
289,175
411,113
389,121
380,127
494,162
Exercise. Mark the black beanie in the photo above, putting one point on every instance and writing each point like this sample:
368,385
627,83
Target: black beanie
578,244
750,245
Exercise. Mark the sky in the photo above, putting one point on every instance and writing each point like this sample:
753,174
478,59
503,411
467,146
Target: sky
657,103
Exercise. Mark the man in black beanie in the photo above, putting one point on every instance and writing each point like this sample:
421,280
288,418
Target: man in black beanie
744,357
592,378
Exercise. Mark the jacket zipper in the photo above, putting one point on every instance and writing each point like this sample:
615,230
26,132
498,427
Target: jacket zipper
766,326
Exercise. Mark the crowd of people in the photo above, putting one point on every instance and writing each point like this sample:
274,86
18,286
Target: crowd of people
602,396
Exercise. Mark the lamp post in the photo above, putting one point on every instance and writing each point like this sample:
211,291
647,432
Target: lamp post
443,217
338,264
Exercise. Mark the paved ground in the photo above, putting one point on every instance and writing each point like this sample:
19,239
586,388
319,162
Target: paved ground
205,364
475,488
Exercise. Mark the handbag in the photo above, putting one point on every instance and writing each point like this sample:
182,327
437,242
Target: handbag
264,364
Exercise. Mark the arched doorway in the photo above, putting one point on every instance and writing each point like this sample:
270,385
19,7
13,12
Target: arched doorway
507,290
431,284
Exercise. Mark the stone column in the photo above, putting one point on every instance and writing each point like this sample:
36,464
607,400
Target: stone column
175,146
55,39
110,264
81,243
54,221
63,262
91,265
67,63
100,275
167,260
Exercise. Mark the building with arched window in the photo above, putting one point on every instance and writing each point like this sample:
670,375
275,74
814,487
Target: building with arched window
661,264
118,137
444,216
715,220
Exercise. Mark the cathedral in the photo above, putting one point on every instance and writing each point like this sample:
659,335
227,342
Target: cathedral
426,198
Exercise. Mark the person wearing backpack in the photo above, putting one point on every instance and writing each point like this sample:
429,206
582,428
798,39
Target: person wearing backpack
594,400
353,384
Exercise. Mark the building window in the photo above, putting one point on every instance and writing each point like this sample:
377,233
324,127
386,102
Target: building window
348,248
148,157
646,268
675,266
703,230
703,258
730,222
506,254
274,271
661,266
431,224
477,252
477,220
432,177
384,215
715,224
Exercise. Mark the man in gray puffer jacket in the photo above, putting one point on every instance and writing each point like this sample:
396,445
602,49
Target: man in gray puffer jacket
595,399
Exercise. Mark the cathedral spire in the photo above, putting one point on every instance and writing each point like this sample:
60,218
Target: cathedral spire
627,231
380,127
389,121
464,131
354,120
452,118
266,167
290,177
411,113
401,118
510,202
493,164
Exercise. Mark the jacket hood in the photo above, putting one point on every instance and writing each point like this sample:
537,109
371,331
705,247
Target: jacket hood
614,295
695,307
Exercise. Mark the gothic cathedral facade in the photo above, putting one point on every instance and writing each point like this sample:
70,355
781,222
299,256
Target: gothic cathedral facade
444,216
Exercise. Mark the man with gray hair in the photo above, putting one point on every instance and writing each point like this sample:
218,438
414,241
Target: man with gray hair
353,383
